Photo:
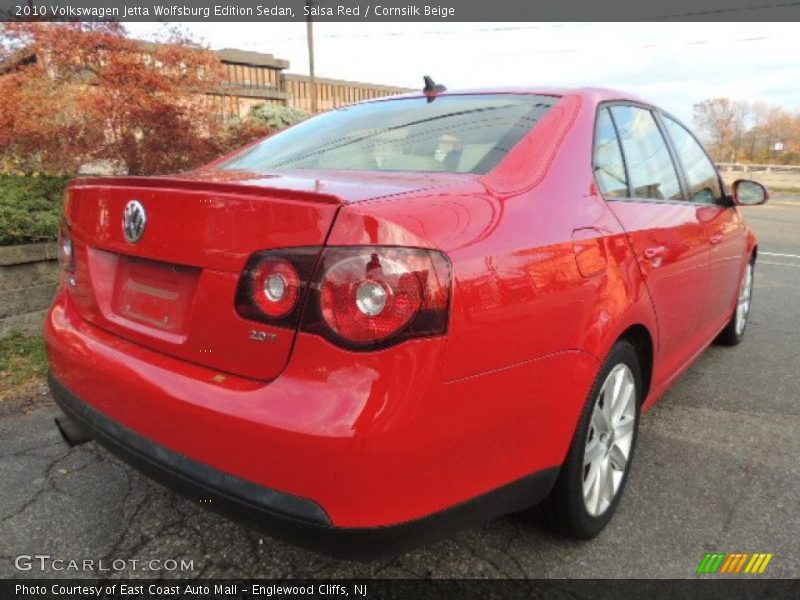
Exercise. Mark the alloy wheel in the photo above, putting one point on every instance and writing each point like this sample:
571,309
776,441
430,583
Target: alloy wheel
743,304
609,440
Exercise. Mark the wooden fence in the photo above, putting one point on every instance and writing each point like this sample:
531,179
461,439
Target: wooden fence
782,177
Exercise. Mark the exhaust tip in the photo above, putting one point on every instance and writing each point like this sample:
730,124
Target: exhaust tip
72,433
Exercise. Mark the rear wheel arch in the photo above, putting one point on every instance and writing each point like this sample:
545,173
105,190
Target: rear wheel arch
640,338
570,500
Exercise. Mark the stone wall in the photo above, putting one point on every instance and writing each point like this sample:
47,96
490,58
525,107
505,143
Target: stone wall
28,280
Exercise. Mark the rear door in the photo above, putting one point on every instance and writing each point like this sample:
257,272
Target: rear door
637,175
723,226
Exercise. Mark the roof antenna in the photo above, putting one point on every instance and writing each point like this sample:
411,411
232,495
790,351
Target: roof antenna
431,89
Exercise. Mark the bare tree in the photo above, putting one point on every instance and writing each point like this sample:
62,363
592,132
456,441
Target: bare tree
748,131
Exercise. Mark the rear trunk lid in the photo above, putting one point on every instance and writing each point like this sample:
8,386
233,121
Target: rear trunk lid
174,289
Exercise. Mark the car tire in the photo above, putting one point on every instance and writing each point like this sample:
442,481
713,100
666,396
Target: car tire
582,503
734,330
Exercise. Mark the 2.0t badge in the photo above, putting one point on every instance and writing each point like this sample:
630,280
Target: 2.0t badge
134,221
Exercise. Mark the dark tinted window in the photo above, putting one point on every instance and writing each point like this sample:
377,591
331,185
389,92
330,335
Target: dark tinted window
650,168
457,134
700,172
609,168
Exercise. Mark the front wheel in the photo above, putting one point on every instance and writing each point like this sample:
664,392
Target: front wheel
734,330
594,475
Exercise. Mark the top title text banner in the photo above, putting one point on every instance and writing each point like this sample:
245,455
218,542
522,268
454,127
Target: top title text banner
397,10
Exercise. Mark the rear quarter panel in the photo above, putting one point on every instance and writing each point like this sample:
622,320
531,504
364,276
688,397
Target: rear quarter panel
513,239
528,328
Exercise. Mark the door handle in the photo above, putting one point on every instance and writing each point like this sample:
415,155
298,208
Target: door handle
655,252
715,239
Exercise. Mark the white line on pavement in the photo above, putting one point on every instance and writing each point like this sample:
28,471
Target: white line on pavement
778,264
777,254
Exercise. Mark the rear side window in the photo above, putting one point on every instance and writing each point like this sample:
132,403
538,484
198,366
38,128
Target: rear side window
704,186
609,168
650,168
457,134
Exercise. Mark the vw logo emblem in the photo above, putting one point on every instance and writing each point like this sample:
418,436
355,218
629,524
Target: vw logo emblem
134,221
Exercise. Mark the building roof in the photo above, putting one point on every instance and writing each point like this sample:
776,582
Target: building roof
247,57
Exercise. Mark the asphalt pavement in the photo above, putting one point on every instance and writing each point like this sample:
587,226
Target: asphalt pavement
716,470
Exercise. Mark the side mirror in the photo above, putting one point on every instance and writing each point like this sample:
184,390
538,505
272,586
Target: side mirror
749,193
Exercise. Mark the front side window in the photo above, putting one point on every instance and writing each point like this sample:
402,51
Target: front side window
455,134
609,168
650,168
704,186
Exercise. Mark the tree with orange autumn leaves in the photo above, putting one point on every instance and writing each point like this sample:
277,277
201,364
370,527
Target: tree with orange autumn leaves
75,93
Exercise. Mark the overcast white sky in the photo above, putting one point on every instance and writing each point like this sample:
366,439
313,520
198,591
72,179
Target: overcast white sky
673,64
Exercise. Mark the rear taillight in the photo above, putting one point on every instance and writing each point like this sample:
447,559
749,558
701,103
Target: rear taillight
276,287
66,251
370,297
363,297
273,285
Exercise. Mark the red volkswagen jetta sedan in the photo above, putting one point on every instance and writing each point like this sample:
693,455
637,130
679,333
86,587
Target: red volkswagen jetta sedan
404,315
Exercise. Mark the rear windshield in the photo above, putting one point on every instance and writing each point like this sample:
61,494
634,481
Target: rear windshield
455,134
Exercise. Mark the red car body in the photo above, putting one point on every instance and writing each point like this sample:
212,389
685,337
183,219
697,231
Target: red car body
545,276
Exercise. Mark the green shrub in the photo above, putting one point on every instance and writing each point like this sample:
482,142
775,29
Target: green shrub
30,208
275,116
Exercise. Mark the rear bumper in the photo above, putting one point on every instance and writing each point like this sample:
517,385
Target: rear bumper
300,520
341,450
